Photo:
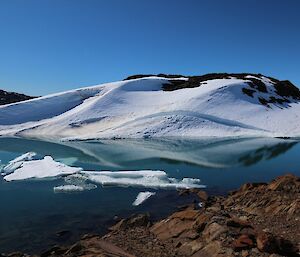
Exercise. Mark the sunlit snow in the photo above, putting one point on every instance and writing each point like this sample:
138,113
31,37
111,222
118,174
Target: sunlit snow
140,108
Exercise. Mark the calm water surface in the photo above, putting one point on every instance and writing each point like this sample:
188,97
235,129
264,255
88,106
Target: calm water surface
33,217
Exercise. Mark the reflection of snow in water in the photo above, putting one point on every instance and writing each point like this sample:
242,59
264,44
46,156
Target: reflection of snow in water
125,154
207,152
77,180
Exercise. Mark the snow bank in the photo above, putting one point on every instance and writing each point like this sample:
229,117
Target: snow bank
142,197
139,108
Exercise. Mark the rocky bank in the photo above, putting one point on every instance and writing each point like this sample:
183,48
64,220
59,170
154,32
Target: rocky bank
258,219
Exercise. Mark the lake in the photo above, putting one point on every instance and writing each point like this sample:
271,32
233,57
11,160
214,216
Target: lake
34,217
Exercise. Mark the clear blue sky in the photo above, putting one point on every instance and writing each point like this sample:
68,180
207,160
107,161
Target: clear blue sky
53,45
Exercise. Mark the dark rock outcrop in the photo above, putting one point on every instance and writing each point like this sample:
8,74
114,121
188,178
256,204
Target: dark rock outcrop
12,97
285,91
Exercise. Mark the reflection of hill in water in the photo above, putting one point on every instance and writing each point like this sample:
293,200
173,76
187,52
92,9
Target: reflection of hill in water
20,145
266,153
124,154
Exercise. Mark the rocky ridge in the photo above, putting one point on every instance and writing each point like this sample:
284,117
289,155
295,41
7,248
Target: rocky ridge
285,91
12,97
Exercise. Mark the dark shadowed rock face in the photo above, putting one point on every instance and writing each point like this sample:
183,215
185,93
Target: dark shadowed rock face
12,97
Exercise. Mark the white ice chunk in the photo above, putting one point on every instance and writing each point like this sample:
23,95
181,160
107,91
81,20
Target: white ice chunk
142,197
72,188
77,178
75,182
44,168
141,178
67,188
17,162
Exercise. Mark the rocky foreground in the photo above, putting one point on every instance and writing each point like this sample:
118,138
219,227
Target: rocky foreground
257,220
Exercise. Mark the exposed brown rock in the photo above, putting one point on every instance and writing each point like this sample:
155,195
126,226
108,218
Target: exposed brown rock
202,195
213,231
288,183
139,220
243,242
239,223
89,246
266,242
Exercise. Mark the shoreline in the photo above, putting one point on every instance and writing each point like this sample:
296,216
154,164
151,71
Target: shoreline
258,219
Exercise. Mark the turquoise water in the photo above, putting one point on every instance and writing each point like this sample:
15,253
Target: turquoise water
33,217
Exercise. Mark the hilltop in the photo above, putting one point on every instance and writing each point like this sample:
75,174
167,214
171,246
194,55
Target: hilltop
12,97
142,106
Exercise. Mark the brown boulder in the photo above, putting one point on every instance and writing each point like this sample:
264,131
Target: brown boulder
201,222
202,195
287,183
266,242
246,187
189,248
140,220
238,223
186,214
243,242
214,249
212,231
178,224
171,228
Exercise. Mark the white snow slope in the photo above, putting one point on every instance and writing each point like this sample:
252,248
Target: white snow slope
140,108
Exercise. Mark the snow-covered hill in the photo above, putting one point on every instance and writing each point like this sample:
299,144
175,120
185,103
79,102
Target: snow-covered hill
159,106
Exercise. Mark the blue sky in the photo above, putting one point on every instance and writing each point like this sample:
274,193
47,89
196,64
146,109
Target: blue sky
53,45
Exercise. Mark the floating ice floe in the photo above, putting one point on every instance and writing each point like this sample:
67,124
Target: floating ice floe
68,188
140,178
75,182
142,197
17,163
44,168
77,179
